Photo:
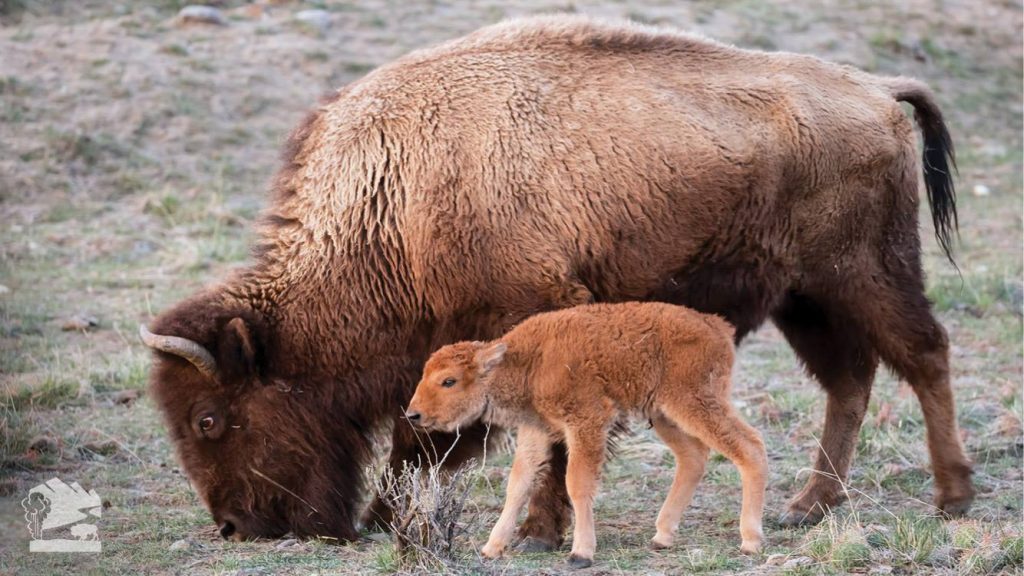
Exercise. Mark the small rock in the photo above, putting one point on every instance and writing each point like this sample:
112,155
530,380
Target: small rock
195,14
796,562
105,448
319,19
981,190
286,543
880,570
4,290
183,544
80,322
126,396
776,559
44,444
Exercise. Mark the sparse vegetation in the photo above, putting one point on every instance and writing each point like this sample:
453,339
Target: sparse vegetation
430,518
135,153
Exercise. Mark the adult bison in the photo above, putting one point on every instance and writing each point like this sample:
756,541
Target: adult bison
539,164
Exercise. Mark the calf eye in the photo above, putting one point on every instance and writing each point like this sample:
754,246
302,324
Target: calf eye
206,423
448,382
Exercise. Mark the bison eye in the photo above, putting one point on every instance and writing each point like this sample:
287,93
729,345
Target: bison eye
448,382
206,423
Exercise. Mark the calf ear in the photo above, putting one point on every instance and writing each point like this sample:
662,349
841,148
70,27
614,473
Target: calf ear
237,350
489,356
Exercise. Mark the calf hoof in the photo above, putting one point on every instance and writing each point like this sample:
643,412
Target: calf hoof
577,562
532,545
751,547
661,542
492,551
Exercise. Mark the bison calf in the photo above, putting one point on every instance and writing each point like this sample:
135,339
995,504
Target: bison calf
571,375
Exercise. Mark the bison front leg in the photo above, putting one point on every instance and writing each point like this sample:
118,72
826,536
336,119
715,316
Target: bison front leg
379,516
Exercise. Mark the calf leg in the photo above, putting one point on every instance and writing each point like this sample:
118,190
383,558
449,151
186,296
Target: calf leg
716,424
550,511
531,450
586,455
837,352
691,457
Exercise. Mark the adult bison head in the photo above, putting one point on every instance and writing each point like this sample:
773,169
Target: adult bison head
260,444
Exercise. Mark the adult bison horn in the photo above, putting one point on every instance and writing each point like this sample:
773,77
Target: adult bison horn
189,350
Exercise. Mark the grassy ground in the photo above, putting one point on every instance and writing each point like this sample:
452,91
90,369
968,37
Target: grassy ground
134,153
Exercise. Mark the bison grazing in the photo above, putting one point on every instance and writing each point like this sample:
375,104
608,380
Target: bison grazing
540,164
571,376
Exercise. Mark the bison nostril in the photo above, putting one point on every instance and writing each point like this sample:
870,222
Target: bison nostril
413,416
226,530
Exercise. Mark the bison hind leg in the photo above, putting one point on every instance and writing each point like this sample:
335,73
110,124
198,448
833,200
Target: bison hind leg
835,349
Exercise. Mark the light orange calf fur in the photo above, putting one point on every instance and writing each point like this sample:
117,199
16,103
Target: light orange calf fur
571,375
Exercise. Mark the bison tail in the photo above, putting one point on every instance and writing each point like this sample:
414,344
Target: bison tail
939,158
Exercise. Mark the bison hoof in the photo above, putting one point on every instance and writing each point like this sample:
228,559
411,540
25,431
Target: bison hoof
794,518
955,507
577,562
532,545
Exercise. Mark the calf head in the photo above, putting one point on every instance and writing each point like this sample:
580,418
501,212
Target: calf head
453,390
260,446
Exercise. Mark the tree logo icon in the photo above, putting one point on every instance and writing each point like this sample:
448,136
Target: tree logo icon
55,509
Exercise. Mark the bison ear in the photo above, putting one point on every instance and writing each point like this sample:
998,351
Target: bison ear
237,350
489,356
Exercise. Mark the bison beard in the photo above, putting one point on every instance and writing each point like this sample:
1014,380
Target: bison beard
540,164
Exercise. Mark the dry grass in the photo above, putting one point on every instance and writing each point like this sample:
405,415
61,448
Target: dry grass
134,155
430,519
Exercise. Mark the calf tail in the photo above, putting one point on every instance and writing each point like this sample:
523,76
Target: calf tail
939,158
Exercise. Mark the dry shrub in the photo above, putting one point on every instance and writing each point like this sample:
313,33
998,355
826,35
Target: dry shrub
429,513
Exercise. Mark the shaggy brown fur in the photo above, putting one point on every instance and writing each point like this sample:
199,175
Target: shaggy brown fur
541,164
569,376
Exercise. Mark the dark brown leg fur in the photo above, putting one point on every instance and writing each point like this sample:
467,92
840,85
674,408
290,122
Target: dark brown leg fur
887,315
550,510
836,351
915,345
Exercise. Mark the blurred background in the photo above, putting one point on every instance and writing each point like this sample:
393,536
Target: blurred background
137,140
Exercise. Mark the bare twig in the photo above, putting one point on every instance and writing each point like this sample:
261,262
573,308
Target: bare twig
428,506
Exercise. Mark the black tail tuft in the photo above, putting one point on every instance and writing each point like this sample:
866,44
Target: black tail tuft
939,166
939,160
